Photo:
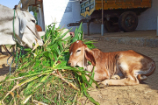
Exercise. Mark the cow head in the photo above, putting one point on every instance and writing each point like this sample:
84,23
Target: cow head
79,54
25,27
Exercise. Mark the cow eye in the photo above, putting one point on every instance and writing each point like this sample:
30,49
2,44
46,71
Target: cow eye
33,21
78,50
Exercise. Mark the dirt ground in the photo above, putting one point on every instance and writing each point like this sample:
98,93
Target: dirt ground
142,94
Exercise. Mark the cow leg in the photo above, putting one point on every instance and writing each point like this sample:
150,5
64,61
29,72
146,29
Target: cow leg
141,77
13,49
115,77
99,76
1,49
5,48
130,80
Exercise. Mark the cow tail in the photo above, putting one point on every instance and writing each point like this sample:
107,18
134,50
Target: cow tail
151,70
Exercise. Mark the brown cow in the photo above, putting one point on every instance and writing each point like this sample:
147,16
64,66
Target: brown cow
38,28
129,65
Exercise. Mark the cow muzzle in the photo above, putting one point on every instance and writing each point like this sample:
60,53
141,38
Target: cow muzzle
71,64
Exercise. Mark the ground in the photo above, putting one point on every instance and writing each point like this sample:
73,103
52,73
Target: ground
142,94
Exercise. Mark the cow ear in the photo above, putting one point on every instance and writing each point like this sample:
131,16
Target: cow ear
89,54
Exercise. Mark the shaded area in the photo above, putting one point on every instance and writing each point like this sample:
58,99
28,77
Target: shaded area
4,67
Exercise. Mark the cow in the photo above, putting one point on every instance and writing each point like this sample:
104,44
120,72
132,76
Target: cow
39,29
71,34
129,67
24,27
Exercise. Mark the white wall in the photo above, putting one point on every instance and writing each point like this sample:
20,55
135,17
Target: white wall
64,12
54,11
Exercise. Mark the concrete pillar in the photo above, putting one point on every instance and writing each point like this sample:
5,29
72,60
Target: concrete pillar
157,27
102,25
102,29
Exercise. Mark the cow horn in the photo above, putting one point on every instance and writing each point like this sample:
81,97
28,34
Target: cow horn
25,4
19,5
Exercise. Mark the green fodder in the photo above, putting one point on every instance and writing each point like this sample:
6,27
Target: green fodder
43,76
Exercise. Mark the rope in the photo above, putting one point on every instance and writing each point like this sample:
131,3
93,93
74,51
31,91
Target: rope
16,47
16,56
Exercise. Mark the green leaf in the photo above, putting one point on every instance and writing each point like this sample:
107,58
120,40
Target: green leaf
75,38
44,78
55,56
46,54
92,76
30,85
61,65
27,49
26,99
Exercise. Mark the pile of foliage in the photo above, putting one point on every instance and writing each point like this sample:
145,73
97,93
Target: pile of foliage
43,75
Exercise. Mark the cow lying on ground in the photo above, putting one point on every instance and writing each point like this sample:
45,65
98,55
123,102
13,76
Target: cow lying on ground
131,66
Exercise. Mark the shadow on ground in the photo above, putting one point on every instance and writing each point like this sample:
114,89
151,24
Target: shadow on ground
4,67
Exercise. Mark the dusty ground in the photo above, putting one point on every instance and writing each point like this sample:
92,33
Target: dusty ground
142,94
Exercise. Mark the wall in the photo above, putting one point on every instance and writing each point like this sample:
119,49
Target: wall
148,19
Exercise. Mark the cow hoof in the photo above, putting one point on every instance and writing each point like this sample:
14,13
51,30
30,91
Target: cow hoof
101,85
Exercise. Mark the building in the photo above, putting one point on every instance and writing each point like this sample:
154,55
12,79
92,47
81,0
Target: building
64,12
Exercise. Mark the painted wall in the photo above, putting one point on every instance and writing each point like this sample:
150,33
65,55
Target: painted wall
64,12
